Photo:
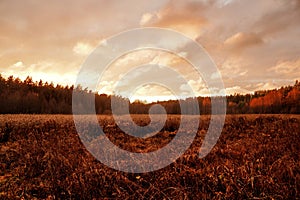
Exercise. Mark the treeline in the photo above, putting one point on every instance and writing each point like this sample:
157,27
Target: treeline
31,97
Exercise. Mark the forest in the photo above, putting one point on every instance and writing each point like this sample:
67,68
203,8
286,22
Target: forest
29,97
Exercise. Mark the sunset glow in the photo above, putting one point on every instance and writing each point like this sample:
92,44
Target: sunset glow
255,44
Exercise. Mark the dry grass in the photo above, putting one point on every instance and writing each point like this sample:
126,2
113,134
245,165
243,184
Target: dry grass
256,157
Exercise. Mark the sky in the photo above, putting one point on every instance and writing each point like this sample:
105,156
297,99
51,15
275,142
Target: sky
254,44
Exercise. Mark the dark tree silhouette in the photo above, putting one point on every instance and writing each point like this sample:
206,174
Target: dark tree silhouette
30,97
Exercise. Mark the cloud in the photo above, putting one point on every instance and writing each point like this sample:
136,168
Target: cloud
41,70
149,93
232,68
215,75
265,86
33,32
223,3
153,57
146,18
198,87
18,65
251,42
236,90
242,40
186,18
106,87
287,68
286,14
82,48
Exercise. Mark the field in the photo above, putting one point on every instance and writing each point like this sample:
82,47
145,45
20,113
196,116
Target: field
256,157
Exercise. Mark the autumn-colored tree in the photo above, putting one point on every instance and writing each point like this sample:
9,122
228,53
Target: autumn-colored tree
38,97
256,105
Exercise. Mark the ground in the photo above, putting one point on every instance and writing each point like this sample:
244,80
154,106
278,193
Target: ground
256,157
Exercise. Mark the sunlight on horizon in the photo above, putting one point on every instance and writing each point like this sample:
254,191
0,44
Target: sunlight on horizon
252,51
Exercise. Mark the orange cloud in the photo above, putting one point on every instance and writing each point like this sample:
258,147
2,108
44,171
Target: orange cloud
186,18
251,41
242,40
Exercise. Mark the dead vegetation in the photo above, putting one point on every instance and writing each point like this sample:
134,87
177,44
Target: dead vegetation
256,157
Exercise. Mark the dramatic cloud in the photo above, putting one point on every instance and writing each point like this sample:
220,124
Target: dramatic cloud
242,40
186,17
255,44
